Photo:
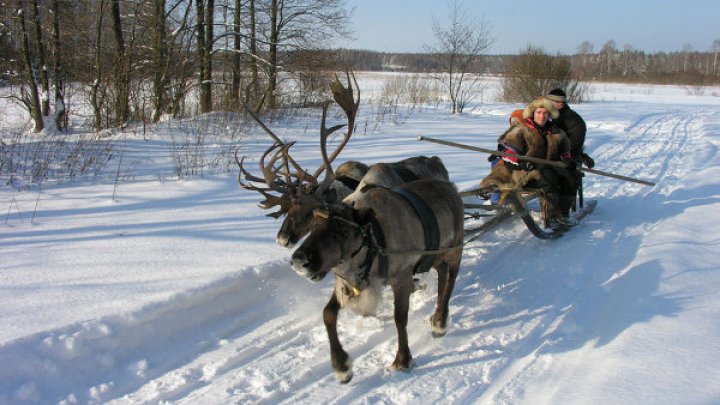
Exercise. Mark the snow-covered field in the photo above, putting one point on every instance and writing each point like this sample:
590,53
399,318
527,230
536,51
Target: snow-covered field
175,291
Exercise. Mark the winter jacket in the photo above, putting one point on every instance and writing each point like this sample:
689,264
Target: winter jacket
575,129
527,139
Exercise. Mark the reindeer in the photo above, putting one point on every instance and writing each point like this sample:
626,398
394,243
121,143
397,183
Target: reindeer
300,193
379,237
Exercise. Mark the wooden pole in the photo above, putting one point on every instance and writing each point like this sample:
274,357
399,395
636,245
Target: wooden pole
533,160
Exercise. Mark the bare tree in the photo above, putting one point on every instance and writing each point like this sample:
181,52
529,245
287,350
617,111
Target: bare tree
534,73
205,10
236,56
96,100
122,67
32,101
584,52
299,25
58,72
160,59
273,56
40,58
254,76
459,48
686,51
607,57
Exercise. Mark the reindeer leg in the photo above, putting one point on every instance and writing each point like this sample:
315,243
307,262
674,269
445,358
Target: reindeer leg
401,291
439,318
341,361
436,318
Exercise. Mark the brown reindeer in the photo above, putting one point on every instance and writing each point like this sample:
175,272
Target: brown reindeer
378,238
301,193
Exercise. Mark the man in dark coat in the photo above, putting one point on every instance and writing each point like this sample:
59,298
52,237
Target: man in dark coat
574,126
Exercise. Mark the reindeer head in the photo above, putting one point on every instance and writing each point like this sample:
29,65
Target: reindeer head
337,242
299,219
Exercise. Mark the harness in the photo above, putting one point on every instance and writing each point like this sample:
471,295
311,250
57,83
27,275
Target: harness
374,239
431,231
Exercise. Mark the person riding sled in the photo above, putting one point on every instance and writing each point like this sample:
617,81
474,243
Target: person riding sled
534,134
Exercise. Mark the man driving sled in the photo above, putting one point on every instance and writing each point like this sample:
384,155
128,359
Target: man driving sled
532,133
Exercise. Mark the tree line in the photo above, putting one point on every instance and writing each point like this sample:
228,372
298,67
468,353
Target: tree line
138,60
687,67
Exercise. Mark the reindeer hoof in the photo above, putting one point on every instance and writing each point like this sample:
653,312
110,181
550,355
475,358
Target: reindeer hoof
344,376
439,327
438,331
399,365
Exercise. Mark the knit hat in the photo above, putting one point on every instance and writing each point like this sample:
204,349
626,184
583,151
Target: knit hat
557,95
540,102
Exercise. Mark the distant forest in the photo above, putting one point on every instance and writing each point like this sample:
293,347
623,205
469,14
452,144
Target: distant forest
135,60
610,64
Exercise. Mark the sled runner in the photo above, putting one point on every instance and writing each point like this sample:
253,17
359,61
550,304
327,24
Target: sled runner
517,203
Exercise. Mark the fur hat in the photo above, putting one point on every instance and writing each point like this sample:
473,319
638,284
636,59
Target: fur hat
540,102
557,95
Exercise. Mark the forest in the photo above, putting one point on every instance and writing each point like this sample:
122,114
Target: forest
139,60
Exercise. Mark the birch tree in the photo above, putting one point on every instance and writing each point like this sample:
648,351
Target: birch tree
460,45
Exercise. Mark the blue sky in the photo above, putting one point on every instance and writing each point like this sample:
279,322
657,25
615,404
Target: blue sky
648,25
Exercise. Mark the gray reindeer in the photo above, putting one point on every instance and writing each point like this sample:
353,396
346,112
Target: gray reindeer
381,236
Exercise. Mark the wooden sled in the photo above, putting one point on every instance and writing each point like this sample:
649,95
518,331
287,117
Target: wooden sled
513,203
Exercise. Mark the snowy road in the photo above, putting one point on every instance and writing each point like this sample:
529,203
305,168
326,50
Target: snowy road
605,314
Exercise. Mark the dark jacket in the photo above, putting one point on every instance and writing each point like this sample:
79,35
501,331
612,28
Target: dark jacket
575,128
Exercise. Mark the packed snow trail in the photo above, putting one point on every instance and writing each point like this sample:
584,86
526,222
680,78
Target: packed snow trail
621,308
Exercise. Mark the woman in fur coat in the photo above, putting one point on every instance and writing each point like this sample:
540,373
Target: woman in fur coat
532,133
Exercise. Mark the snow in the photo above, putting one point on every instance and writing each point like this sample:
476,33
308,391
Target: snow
175,291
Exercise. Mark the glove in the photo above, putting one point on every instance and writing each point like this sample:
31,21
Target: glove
588,161
571,164
525,165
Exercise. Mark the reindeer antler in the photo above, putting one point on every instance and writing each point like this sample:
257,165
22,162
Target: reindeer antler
271,178
281,160
345,98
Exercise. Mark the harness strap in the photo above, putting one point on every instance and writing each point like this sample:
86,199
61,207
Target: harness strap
348,182
374,241
431,230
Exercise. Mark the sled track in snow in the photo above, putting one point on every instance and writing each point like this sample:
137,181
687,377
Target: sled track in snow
652,149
